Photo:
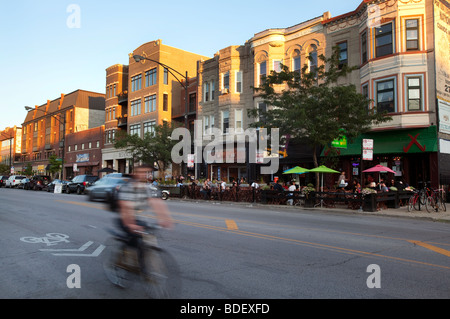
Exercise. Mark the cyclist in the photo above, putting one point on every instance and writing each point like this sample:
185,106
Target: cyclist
135,196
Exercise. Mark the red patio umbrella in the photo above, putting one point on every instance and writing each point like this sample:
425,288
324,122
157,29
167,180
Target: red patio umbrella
378,168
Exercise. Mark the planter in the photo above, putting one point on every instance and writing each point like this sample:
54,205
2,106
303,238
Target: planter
310,199
370,202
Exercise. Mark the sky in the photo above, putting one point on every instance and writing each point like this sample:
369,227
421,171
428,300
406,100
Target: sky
49,47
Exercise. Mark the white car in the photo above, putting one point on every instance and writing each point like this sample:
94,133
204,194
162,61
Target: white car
14,180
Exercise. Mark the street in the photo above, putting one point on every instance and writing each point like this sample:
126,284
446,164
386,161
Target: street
225,251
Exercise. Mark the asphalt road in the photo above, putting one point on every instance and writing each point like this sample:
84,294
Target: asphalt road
225,251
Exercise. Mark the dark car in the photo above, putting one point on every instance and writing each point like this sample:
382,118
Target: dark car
79,183
51,186
3,179
103,188
38,182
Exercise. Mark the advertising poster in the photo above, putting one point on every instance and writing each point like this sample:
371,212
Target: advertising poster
442,48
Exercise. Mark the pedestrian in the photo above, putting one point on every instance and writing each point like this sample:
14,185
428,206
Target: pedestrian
342,183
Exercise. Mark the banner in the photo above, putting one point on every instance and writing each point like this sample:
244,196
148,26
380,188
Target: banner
442,48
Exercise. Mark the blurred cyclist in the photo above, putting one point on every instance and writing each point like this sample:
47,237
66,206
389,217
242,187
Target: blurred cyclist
136,196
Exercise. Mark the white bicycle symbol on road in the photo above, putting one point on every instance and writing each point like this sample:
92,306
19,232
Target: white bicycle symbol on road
50,239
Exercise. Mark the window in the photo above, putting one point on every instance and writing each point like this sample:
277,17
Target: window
365,93
211,121
386,96
165,102
238,81
149,127
226,81
212,87
136,82
192,102
150,103
412,34
114,92
262,72
384,40
312,59
262,108
277,65
150,77
238,126
296,62
364,48
206,125
206,97
343,56
166,76
225,121
414,93
135,129
135,107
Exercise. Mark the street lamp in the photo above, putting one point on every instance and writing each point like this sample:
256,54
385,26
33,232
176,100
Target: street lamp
139,58
28,108
185,85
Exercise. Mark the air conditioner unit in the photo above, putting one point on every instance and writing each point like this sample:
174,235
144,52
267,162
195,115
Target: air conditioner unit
225,91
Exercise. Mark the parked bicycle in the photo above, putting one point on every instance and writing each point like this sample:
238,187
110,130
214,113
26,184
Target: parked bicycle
415,201
146,264
436,201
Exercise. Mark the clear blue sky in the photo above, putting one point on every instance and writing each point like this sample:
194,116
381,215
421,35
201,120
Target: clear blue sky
41,57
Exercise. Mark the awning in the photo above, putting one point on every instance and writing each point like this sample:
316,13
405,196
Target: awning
408,141
82,164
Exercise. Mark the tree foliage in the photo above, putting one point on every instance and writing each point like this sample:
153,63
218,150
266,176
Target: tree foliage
313,107
152,148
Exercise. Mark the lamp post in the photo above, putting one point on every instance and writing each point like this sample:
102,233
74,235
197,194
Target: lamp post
62,139
185,85
139,58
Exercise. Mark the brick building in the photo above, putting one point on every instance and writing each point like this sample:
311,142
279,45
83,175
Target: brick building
46,126
84,152
10,145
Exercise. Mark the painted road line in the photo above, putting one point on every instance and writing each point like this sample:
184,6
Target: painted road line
431,247
231,224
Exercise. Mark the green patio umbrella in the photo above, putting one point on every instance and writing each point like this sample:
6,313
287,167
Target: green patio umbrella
322,169
296,170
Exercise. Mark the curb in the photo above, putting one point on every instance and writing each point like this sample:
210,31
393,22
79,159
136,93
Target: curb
401,212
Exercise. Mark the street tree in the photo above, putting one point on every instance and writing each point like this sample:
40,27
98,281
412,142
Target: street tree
153,148
313,106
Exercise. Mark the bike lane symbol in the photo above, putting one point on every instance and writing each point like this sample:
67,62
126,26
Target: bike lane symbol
51,239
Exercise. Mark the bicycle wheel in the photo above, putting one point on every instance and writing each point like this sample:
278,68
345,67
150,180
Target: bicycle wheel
443,206
430,204
160,276
411,203
423,197
114,256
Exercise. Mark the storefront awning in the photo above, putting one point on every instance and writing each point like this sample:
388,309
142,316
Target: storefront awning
81,164
394,142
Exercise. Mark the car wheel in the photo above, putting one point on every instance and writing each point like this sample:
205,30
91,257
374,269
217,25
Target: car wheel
79,191
67,190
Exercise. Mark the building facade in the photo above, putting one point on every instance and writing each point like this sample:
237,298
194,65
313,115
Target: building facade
395,46
116,117
10,146
46,126
84,152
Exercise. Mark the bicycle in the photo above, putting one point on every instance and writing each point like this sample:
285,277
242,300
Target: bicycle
415,201
436,201
156,269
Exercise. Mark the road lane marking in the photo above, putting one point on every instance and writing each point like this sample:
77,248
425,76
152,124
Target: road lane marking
304,243
81,204
231,224
431,247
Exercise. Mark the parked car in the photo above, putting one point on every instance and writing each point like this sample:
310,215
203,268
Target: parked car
14,180
23,182
80,183
38,182
3,179
51,186
103,188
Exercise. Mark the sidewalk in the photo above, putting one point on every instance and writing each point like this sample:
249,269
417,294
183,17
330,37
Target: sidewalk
401,212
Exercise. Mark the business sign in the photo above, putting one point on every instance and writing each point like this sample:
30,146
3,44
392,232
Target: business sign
340,143
82,158
444,116
442,48
190,160
367,153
